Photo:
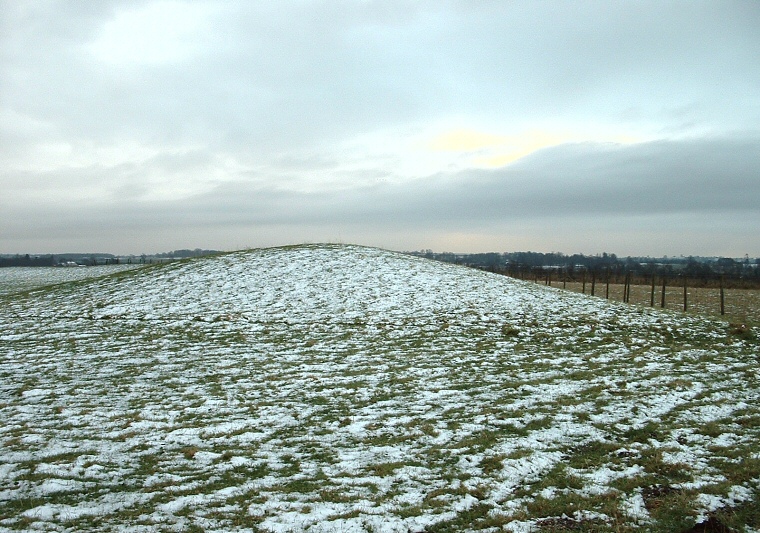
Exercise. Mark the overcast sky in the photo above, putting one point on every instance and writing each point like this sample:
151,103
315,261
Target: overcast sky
146,126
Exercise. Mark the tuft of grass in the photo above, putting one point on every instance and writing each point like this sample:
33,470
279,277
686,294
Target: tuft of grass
492,463
673,509
743,331
591,455
642,434
508,330
384,469
478,516
739,516
189,452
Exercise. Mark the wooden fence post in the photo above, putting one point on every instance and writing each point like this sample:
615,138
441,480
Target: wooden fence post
593,281
584,282
651,298
662,300
625,285
607,292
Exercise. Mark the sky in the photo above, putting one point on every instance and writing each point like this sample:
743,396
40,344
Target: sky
631,127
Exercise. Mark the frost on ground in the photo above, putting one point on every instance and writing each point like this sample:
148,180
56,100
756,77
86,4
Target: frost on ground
340,388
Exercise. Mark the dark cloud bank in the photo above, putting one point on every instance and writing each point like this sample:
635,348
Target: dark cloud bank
689,185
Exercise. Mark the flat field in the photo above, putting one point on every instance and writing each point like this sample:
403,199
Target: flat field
741,306
340,388
19,279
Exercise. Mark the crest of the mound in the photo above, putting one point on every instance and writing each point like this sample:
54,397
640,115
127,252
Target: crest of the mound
329,282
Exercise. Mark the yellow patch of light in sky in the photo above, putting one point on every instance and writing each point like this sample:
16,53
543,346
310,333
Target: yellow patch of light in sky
464,140
491,150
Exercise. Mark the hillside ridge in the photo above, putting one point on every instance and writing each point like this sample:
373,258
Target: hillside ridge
325,388
325,282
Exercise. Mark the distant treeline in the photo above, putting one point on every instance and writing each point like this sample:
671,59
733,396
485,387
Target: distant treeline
69,259
27,260
703,270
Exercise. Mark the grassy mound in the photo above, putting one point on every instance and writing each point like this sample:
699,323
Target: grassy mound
341,388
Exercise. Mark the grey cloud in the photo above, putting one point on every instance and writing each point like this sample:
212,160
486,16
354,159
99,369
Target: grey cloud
699,177
274,88
297,73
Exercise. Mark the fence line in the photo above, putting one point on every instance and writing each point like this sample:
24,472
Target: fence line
627,283
718,297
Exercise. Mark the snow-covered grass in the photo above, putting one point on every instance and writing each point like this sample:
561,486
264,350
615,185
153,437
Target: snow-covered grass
341,388
17,279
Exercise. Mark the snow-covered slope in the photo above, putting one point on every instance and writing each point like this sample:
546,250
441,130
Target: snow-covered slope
342,388
316,283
